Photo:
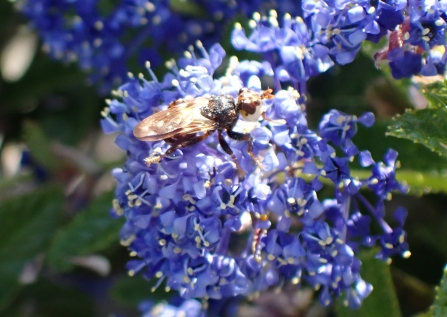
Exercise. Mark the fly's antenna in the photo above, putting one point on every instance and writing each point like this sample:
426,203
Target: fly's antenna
267,94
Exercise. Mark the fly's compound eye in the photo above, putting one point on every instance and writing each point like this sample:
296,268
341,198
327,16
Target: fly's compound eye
249,106
248,101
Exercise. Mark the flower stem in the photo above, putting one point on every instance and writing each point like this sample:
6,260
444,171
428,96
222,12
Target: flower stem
222,246
386,228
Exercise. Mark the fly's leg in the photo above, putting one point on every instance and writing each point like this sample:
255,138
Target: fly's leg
259,233
277,121
175,145
229,151
246,137
267,94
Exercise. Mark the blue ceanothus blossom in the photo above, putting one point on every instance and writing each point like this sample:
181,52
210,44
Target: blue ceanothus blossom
104,37
331,32
188,308
194,224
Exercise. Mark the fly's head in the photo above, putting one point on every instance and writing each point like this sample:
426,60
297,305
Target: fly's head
249,103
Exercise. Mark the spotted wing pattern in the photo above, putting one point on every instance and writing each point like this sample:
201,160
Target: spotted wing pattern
183,118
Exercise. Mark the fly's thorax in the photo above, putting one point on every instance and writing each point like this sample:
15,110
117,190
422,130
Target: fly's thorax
222,110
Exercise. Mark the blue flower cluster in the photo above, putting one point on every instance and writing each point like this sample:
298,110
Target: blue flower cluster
328,32
194,224
105,38
189,308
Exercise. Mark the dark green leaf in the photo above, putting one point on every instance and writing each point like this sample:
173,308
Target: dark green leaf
374,140
423,182
428,127
43,78
28,222
10,183
91,231
73,116
188,8
40,146
342,88
107,7
418,182
426,314
408,287
382,301
436,94
45,298
439,308
131,291
431,231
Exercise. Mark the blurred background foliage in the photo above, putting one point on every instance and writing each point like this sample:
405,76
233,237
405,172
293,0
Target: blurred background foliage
60,253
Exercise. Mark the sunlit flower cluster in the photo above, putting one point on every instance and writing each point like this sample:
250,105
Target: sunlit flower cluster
195,224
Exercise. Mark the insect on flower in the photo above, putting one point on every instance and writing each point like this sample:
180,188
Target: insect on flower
259,233
188,122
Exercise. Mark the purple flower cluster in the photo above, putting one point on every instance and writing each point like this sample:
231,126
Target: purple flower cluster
328,32
421,48
104,40
189,308
192,221
290,49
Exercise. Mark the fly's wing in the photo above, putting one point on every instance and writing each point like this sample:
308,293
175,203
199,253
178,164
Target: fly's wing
183,118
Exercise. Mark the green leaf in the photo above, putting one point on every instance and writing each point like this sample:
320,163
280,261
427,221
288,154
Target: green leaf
51,300
71,124
428,127
410,287
374,140
39,146
28,222
18,96
130,291
15,181
423,182
436,94
422,175
439,308
383,300
426,314
188,8
91,231
418,182
432,230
